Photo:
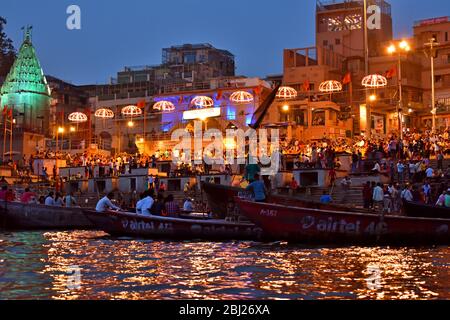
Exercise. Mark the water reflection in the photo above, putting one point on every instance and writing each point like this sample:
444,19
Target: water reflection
35,265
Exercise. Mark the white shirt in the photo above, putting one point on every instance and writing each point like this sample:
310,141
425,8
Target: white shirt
378,194
139,206
407,195
146,205
105,204
188,206
49,201
377,167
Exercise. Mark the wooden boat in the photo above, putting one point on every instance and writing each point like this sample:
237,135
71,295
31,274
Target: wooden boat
220,197
337,227
133,225
414,209
20,216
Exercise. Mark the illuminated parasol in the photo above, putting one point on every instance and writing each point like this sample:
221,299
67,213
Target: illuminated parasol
241,97
202,102
330,86
374,81
78,117
287,93
165,106
104,113
131,111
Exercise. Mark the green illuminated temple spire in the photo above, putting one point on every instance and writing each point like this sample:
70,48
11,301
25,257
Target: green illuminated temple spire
26,88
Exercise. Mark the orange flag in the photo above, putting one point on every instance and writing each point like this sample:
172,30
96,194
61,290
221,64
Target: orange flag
305,86
347,78
391,73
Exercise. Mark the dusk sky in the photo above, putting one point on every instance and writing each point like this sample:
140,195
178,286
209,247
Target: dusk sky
115,34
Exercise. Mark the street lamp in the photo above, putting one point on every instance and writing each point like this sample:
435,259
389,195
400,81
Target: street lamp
432,44
401,47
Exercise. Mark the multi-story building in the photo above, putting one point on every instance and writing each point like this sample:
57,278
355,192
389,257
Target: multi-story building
340,51
439,30
340,27
152,130
185,63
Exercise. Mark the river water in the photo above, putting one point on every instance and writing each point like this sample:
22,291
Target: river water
91,265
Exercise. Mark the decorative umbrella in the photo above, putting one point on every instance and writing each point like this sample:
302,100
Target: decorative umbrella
131,111
374,81
287,93
241,97
104,113
202,102
330,86
78,117
165,106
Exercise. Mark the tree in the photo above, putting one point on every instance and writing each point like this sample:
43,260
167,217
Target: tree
7,51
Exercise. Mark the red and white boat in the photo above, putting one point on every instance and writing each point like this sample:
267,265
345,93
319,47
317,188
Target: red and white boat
140,226
306,225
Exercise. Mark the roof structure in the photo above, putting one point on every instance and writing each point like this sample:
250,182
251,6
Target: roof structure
26,75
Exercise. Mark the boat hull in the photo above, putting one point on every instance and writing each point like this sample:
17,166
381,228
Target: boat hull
413,209
121,224
219,198
333,227
20,216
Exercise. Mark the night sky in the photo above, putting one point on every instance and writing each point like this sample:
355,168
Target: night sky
115,34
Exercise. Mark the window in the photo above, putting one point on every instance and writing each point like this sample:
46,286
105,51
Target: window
446,37
190,57
338,42
318,118
325,43
301,117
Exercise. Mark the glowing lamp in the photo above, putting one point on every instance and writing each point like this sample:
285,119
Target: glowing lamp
285,108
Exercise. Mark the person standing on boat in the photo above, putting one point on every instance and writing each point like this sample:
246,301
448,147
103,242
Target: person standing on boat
139,203
28,197
158,207
105,203
441,200
258,189
147,203
367,195
188,205
407,194
378,198
70,201
49,201
251,171
447,199
58,200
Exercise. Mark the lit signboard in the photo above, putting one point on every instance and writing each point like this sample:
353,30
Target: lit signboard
201,114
